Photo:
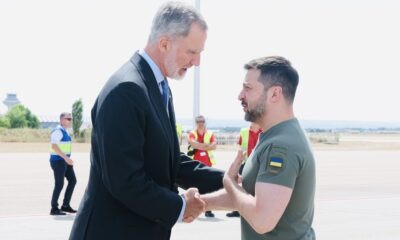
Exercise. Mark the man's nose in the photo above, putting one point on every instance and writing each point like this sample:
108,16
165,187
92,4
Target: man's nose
196,60
241,96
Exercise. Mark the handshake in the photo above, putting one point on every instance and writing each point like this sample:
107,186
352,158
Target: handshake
223,199
194,205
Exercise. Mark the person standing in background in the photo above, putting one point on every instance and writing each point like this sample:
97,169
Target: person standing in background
62,165
179,132
203,143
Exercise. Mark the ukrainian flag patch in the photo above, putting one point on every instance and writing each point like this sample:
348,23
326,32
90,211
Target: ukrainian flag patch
276,162
277,159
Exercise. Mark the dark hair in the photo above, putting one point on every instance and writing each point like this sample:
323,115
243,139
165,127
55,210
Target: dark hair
200,117
276,71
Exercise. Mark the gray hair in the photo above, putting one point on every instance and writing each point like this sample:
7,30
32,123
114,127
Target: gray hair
174,19
64,114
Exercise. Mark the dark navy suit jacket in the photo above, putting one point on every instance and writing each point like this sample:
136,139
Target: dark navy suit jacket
136,164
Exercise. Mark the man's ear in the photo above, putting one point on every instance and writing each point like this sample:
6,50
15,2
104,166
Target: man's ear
164,44
276,93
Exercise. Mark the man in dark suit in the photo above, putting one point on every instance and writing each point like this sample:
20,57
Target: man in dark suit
136,164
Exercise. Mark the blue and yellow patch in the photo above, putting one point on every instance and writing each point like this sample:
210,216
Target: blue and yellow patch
277,159
276,162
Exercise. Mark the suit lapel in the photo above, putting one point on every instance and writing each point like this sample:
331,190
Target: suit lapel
155,98
175,136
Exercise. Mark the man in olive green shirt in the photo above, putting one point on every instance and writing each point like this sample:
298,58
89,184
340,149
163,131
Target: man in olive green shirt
276,197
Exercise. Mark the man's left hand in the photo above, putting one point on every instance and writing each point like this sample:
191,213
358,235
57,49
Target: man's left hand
232,175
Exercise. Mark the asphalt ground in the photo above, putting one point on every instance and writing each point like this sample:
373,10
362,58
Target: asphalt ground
358,197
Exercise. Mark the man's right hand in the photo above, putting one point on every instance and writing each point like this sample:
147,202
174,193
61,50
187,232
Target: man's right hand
69,161
194,205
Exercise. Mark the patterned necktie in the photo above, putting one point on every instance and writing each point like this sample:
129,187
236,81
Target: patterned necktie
165,93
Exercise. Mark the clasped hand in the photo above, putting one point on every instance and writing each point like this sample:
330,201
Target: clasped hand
194,205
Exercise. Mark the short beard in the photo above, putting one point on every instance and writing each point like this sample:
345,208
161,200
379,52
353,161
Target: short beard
171,67
254,115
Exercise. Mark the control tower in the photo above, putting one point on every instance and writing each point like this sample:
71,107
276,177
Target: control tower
11,100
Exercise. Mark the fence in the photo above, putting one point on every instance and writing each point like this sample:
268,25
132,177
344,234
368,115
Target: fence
222,138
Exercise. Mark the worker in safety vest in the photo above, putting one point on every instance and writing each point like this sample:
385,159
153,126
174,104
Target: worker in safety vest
62,165
247,141
179,132
202,143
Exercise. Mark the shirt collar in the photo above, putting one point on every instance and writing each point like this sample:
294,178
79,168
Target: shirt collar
156,70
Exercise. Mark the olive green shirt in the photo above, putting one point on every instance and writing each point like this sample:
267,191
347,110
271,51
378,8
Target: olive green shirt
283,157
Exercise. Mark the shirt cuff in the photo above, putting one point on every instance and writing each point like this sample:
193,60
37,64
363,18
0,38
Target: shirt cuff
180,218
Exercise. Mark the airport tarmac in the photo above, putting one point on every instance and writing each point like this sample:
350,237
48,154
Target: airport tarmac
358,197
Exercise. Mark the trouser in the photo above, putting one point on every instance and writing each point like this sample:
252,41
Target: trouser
61,169
241,168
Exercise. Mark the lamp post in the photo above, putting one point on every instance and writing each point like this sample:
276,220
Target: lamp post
196,83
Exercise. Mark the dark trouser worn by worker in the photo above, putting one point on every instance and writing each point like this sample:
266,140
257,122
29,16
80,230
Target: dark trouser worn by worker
61,169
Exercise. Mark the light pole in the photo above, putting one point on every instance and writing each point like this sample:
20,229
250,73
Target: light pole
196,83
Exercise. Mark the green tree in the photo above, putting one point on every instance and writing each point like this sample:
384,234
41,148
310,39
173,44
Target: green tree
33,121
77,110
16,116
4,122
20,117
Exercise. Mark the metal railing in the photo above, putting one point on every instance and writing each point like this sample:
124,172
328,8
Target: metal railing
222,138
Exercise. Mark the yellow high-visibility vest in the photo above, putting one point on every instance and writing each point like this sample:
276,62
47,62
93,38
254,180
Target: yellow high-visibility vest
244,134
64,145
207,140
179,130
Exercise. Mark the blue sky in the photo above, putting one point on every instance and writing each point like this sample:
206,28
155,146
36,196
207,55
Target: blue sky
346,52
